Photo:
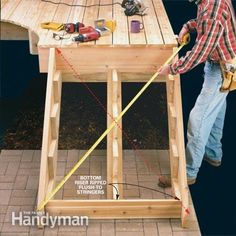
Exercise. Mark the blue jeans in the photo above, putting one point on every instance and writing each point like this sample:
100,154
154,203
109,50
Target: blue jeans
206,121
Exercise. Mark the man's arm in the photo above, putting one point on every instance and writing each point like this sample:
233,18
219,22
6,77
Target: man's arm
187,27
213,30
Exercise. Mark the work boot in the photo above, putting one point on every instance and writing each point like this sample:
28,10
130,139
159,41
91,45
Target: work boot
211,161
165,181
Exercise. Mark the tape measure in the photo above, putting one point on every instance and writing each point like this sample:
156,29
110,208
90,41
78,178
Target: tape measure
186,40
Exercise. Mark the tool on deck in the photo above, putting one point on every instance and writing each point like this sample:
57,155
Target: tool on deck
100,26
52,25
87,34
72,28
59,36
134,7
68,27
50,195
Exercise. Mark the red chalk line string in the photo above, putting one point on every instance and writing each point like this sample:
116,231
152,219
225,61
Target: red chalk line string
135,147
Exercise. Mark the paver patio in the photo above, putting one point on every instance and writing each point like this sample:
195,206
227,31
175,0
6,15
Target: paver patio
19,176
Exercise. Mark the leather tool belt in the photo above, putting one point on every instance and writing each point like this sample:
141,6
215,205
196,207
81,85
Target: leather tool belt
228,70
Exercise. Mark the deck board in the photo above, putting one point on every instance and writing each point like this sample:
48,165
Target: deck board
91,14
47,14
105,12
152,28
120,36
20,12
9,8
61,15
164,23
33,13
76,15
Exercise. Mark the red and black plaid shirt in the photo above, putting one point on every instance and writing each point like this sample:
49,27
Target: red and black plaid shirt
216,35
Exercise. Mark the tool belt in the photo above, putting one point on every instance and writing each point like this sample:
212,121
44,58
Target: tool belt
228,70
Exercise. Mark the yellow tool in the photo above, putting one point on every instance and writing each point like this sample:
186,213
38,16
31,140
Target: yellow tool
52,25
111,25
186,40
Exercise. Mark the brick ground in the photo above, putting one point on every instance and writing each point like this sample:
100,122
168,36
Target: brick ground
19,176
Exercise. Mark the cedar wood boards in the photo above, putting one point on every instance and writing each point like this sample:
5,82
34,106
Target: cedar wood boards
48,164
31,13
118,208
114,138
155,39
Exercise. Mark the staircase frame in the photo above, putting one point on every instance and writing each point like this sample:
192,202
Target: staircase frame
111,208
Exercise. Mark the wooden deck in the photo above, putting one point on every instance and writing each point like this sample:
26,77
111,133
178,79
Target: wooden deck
31,13
121,50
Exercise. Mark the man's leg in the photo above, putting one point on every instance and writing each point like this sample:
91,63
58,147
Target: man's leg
213,148
202,117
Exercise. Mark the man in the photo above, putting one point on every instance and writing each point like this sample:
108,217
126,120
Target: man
216,42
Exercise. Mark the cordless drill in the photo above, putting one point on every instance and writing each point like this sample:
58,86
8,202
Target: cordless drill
87,34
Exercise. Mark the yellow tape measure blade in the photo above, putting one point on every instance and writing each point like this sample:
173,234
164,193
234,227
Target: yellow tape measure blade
58,187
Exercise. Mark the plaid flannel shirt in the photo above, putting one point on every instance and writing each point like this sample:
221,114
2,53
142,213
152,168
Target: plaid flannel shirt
216,35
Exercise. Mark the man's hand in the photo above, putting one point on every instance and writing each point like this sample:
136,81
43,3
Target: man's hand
183,32
165,70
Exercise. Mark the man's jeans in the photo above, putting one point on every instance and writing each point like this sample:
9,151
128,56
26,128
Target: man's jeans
206,121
